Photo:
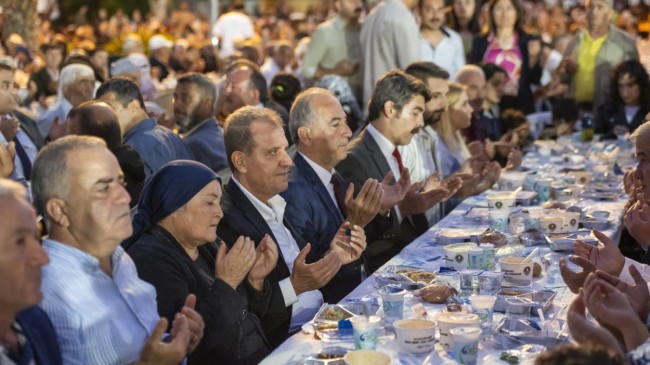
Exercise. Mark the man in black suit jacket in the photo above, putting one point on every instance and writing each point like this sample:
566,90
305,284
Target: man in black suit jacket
256,149
396,114
318,200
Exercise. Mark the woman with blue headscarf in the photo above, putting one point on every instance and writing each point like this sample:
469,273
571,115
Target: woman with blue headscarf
176,249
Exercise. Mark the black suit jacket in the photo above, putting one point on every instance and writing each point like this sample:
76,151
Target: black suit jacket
316,219
241,218
612,114
386,236
28,125
40,333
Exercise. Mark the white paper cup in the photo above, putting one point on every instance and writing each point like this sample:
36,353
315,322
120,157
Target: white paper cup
466,344
456,255
415,335
571,221
365,331
501,201
583,177
515,271
366,357
511,180
552,224
483,307
450,320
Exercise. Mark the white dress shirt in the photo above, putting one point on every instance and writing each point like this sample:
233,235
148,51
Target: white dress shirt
305,305
387,147
448,53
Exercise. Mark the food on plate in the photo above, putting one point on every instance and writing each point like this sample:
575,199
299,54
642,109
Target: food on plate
496,238
319,328
437,293
418,276
537,270
551,204
334,313
331,354
509,358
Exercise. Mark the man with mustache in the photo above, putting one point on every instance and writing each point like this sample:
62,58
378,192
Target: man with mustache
396,115
156,145
318,200
335,48
194,104
439,44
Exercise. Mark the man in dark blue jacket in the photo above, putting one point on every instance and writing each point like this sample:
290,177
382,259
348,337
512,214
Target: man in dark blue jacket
318,199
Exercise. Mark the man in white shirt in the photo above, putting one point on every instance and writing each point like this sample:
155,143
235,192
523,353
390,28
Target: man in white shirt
257,154
232,26
439,44
280,60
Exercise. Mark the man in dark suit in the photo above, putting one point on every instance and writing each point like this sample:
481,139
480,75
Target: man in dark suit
396,114
256,149
318,200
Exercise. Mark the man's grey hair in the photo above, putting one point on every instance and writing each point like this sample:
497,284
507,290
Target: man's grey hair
238,136
50,174
466,72
10,188
302,111
70,73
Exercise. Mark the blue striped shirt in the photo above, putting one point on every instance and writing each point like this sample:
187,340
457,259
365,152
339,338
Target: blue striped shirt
98,319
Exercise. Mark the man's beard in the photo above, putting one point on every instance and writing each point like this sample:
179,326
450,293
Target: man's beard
433,117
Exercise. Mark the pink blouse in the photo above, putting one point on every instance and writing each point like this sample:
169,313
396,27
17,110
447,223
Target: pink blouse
509,59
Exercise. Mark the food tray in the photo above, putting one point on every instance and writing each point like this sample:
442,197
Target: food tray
565,241
328,356
332,313
528,331
413,273
540,299
448,236
389,278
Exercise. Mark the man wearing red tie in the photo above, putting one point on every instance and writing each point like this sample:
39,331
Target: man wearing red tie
395,113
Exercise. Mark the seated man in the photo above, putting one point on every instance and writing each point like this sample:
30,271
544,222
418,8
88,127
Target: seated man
252,206
102,312
318,199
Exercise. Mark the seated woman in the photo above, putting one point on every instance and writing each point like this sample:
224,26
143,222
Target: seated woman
455,156
176,249
630,101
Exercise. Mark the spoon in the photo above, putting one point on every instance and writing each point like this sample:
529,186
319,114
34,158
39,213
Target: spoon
529,258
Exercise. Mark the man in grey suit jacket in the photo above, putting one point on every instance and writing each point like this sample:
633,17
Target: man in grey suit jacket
396,114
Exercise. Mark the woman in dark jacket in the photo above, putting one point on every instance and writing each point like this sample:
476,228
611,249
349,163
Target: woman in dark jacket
177,214
509,47
630,101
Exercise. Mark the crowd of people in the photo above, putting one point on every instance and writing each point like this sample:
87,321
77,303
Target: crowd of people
175,189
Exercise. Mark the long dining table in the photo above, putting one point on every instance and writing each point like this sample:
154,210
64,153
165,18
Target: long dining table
426,253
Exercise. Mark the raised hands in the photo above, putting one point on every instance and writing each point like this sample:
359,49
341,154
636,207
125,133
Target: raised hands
585,332
157,352
349,248
637,294
416,201
306,277
606,257
367,204
7,154
576,279
194,321
515,157
266,257
395,193
233,266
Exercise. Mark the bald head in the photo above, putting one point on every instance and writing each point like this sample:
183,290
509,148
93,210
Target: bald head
95,118
473,78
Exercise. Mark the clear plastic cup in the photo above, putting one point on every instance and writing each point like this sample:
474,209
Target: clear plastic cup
483,307
365,331
392,298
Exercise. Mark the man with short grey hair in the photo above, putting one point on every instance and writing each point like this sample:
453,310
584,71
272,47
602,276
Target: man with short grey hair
319,201
91,287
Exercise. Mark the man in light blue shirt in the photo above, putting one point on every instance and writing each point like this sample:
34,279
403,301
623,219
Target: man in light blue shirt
156,145
102,312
